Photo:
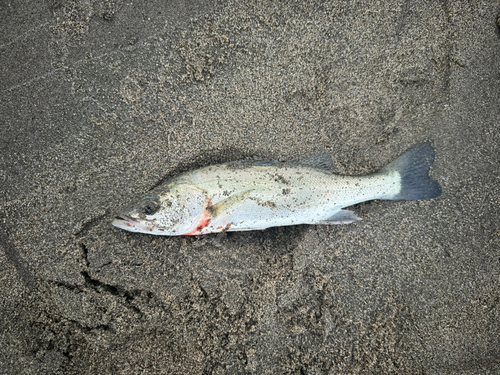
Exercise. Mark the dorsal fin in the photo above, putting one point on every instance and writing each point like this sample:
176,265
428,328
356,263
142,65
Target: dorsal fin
250,163
318,159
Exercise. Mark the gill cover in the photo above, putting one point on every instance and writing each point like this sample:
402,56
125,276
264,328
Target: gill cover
182,208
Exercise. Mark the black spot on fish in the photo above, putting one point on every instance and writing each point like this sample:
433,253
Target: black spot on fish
285,191
279,178
260,202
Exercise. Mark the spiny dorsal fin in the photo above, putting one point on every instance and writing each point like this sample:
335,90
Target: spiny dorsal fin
318,160
240,164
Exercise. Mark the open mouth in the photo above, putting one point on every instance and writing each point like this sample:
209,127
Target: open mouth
129,224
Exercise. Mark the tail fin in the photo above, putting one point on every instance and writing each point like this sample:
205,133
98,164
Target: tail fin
413,167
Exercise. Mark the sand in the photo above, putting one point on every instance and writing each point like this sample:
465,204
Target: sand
101,101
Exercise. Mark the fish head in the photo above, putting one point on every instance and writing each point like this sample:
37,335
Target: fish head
168,213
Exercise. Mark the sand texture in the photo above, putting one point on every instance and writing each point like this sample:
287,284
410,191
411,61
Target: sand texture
100,101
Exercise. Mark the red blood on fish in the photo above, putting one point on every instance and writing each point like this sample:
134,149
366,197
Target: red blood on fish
202,224
205,219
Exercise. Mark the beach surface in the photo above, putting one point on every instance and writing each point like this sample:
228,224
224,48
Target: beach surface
100,101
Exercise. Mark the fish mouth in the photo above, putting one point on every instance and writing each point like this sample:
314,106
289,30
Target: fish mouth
132,225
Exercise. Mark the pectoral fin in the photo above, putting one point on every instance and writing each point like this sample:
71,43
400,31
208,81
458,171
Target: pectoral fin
341,217
228,205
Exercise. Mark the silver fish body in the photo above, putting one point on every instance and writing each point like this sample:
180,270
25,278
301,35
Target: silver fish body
244,195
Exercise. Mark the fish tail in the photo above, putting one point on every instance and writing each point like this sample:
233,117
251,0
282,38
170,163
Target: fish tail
413,168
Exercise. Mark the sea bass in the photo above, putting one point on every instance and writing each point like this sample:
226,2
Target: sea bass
246,195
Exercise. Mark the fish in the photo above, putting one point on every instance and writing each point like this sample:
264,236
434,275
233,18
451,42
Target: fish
249,195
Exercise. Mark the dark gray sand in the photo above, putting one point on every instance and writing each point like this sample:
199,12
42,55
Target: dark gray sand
102,100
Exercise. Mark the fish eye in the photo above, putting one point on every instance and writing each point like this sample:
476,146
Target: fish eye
150,206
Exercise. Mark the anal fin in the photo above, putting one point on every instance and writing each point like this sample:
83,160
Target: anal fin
341,217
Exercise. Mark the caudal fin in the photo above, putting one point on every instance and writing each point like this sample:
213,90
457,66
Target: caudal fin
413,167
